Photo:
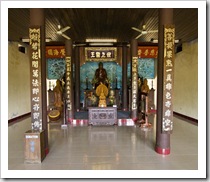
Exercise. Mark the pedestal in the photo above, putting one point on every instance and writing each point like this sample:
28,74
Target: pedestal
102,115
34,147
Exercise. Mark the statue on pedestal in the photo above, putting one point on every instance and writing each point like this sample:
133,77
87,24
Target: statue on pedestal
145,87
102,92
58,95
100,76
112,99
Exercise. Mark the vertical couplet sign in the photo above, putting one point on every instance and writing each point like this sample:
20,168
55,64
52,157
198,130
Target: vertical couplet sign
134,82
167,122
35,60
68,84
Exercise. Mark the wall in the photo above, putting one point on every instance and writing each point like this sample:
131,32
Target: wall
186,80
18,82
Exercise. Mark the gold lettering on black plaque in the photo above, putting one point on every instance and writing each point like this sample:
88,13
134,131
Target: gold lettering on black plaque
134,82
167,122
68,84
35,60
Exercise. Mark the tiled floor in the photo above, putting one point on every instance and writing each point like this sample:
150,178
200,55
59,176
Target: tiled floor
107,148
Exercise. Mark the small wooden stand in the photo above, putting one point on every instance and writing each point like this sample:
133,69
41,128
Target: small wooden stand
144,122
34,147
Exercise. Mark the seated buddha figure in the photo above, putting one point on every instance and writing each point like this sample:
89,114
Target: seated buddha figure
100,76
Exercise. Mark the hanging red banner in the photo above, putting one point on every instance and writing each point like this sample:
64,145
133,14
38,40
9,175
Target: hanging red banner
55,51
147,51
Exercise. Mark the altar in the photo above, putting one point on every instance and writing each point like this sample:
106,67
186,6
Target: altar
91,99
102,115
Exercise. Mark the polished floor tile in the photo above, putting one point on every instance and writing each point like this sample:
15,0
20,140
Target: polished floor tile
107,147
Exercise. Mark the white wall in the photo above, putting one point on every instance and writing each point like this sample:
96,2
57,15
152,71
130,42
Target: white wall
186,80
18,82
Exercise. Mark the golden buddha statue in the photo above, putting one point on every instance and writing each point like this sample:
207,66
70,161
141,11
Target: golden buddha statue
102,92
145,87
58,92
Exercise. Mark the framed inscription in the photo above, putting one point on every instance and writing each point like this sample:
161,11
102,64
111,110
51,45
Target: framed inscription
101,54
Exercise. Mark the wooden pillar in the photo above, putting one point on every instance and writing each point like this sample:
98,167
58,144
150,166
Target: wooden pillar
163,137
69,81
124,79
134,79
77,79
38,73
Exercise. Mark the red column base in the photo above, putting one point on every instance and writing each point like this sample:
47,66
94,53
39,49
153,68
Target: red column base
70,120
46,151
135,119
162,151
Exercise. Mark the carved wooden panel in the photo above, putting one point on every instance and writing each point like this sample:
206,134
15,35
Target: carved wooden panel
102,115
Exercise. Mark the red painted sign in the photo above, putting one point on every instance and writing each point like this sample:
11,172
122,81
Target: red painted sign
55,52
147,51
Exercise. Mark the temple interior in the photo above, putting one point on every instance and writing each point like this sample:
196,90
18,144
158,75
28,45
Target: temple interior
103,89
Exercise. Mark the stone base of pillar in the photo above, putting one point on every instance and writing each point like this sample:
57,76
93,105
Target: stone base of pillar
162,151
134,115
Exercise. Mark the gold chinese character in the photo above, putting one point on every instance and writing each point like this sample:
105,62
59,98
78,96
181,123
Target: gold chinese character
35,99
55,52
152,52
169,45
168,95
167,122
169,54
34,46
168,77
35,73
98,54
169,36
35,91
168,103
139,52
168,113
36,107
92,54
62,52
34,55
35,64
108,54
103,55
146,52
168,86
35,83
169,62
50,52
33,37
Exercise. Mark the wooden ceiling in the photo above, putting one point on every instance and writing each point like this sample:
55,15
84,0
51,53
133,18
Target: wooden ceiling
103,23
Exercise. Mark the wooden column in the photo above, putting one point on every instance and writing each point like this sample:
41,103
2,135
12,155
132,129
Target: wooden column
163,136
38,73
77,79
69,81
124,79
134,79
